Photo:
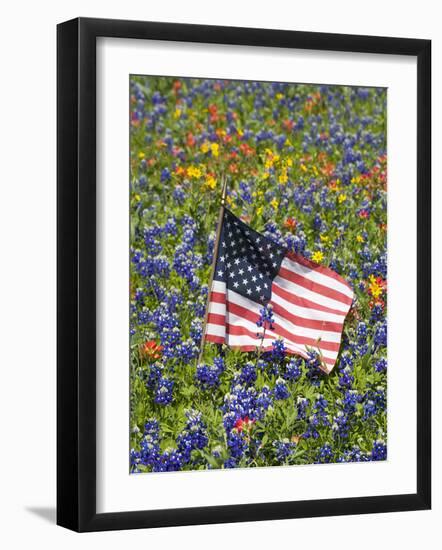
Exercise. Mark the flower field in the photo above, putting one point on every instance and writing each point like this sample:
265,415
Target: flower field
306,167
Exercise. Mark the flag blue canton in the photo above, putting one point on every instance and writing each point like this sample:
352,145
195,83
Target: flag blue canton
247,261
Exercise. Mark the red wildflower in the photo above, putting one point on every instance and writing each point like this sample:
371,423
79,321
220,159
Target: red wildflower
377,302
151,350
190,140
213,110
243,424
246,149
290,223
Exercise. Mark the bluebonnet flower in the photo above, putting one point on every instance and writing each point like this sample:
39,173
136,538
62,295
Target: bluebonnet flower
278,350
318,418
155,373
314,371
248,374
346,379
208,375
263,402
281,390
165,175
301,407
163,393
169,461
194,436
293,370
179,194
380,335
341,425
355,454
325,454
135,459
379,450
266,318
231,463
381,365
237,444
283,449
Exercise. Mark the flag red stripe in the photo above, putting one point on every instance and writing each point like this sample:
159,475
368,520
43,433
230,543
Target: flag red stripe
313,286
218,297
303,302
216,319
316,267
308,323
214,339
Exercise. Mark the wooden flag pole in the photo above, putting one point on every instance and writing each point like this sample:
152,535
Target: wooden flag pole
215,257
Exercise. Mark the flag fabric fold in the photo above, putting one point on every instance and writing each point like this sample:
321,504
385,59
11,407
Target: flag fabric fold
309,301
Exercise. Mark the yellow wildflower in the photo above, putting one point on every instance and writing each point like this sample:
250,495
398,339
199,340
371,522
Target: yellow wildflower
210,182
193,172
141,155
274,203
318,256
177,113
374,287
279,96
289,161
204,147
271,159
230,201
283,178
260,210
215,149
360,239
324,238
303,168
342,197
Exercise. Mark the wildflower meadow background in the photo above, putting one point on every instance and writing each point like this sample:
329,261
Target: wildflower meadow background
306,166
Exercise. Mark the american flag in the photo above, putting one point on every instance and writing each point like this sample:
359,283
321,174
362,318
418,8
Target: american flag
309,301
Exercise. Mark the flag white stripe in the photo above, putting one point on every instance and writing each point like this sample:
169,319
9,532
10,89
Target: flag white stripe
316,276
219,286
307,313
302,292
217,308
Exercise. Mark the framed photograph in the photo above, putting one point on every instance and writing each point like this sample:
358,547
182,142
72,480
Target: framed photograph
243,274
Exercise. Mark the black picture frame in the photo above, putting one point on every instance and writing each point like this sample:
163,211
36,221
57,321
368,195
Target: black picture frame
76,274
